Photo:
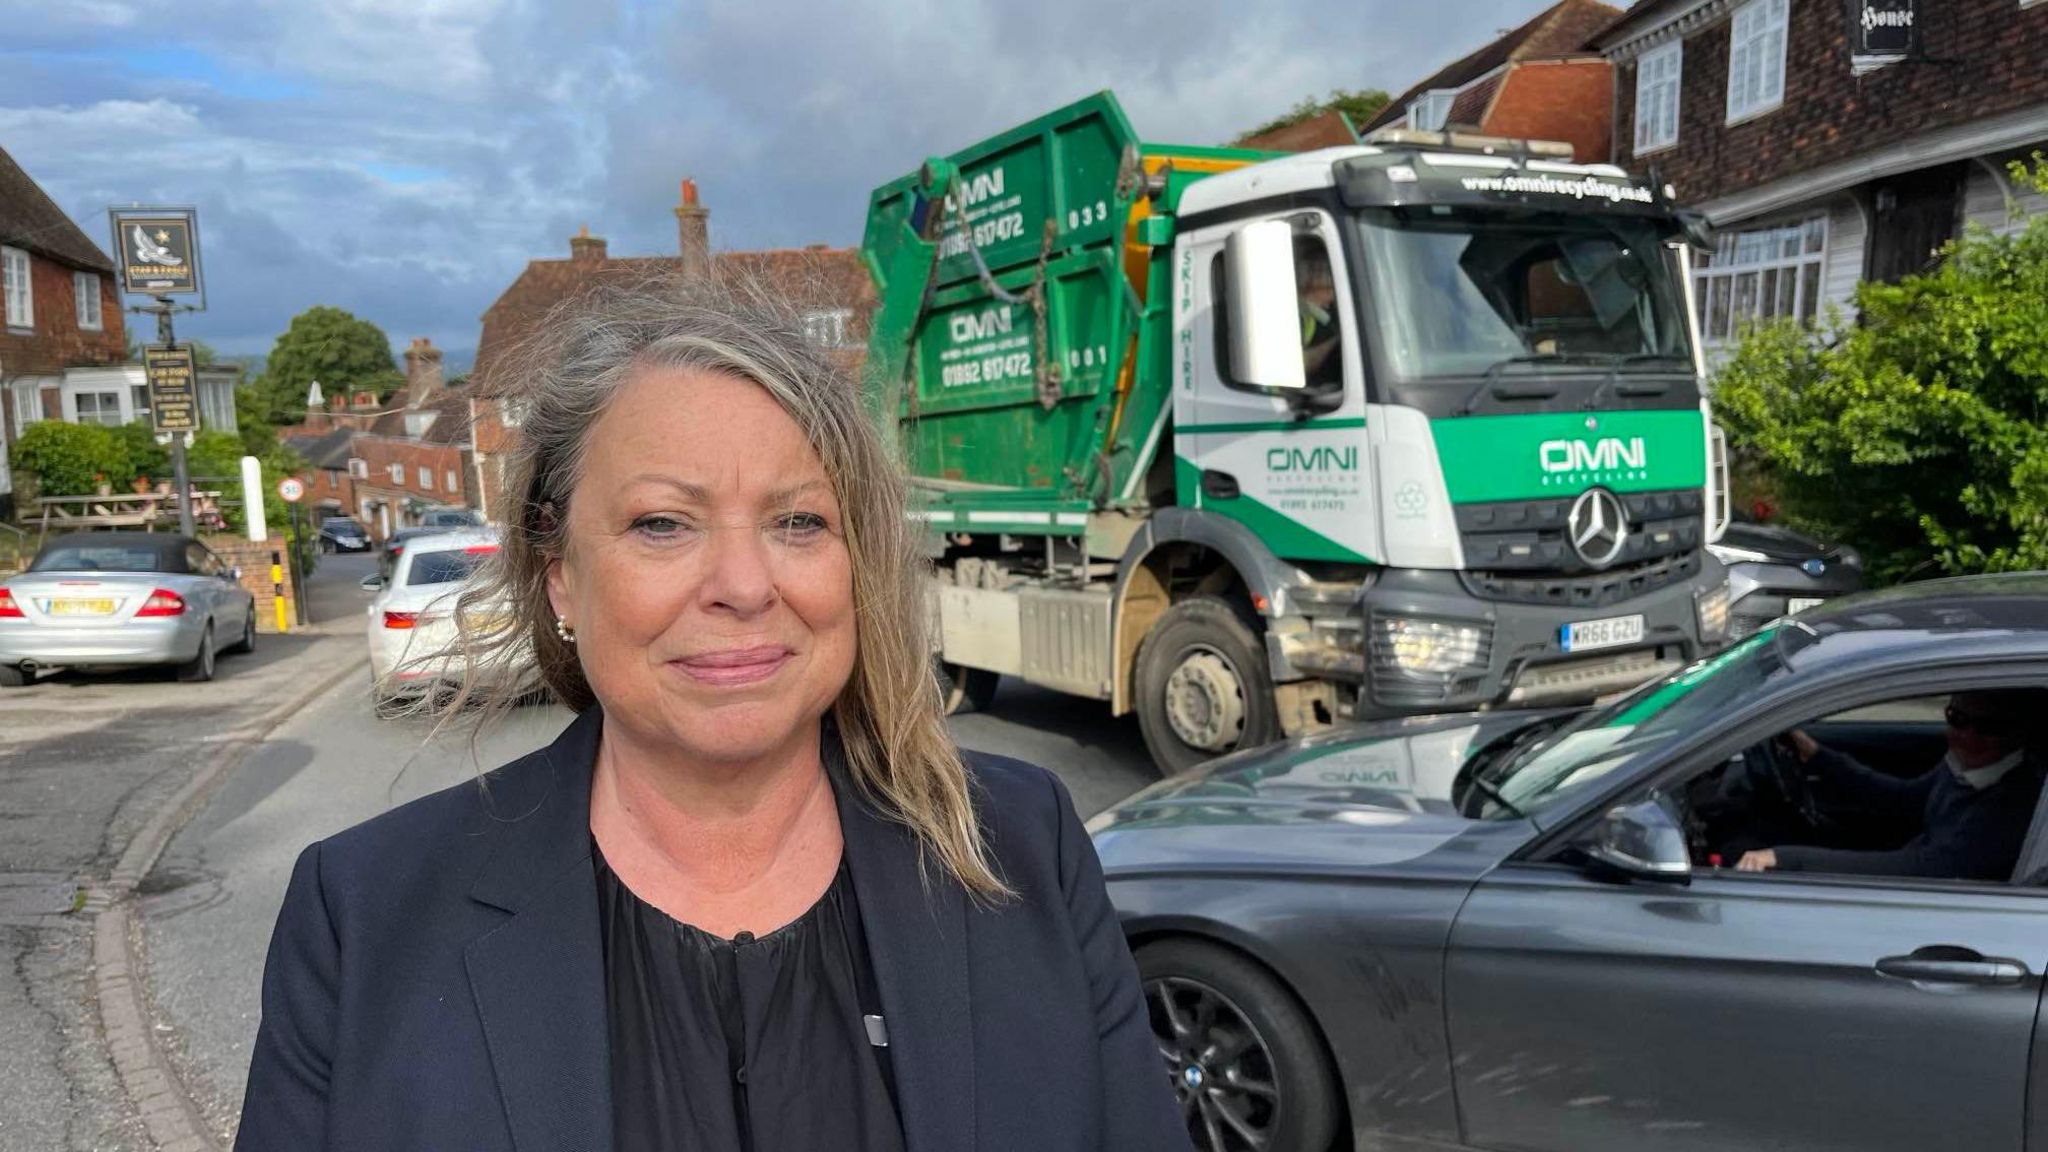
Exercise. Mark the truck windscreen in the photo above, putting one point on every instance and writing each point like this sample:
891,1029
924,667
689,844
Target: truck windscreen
1458,291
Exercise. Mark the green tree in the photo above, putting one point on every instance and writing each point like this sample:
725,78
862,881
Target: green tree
1359,107
145,456
1919,433
342,351
72,459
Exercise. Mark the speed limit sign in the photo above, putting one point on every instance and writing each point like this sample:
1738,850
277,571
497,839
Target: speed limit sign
290,489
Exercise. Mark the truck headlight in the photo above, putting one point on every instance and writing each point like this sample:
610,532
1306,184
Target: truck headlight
1428,648
1711,606
1729,554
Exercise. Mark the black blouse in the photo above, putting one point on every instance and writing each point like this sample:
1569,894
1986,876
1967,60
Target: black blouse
754,1044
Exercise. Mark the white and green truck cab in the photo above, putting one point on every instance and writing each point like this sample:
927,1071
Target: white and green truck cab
1253,444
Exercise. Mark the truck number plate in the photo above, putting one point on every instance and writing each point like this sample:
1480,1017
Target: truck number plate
1612,632
1798,604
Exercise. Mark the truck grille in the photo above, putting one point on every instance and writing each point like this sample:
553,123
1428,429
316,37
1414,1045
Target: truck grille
1519,537
1611,586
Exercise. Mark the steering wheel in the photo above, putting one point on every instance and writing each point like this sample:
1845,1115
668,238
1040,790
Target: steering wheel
1777,763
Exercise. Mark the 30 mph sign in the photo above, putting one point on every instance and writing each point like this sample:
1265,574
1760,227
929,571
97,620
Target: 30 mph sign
290,489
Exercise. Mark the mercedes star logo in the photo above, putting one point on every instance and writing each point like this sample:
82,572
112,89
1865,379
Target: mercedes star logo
1598,527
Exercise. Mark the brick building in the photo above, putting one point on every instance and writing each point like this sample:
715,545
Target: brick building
1817,173
385,464
1538,81
59,308
828,285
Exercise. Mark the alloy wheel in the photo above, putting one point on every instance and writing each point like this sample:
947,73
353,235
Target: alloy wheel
1222,1071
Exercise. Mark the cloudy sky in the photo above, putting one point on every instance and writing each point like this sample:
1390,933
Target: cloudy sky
403,159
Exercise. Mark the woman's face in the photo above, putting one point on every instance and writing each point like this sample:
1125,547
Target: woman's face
706,574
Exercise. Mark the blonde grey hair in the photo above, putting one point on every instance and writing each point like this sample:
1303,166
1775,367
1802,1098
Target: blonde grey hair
890,717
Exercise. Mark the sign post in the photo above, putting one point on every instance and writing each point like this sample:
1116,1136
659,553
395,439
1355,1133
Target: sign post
291,490
158,249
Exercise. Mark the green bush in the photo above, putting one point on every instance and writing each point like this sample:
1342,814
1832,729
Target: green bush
1920,432
73,459
146,458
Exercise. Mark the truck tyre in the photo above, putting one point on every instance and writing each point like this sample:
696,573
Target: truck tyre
1203,685
1244,1058
965,689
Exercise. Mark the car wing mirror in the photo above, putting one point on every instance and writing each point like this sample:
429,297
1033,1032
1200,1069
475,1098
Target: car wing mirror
235,574
1640,841
371,583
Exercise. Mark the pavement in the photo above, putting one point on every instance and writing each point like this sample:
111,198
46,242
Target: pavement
86,764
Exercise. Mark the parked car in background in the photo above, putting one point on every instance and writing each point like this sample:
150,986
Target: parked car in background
394,546
1522,929
1774,571
97,600
342,534
445,518
411,621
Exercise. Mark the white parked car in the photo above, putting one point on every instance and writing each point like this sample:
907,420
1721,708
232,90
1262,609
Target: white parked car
412,617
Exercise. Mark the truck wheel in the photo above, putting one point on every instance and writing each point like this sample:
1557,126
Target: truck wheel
965,689
1204,687
1247,1067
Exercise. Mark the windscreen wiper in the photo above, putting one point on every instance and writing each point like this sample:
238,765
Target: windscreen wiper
1491,792
1493,375
1614,374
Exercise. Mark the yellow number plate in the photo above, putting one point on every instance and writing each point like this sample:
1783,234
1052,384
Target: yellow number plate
81,607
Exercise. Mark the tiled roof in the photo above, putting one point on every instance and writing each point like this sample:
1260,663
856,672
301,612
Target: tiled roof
30,219
327,450
1560,30
807,277
1327,130
450,407
1471,105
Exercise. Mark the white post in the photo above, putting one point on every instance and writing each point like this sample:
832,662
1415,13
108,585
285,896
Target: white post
252,499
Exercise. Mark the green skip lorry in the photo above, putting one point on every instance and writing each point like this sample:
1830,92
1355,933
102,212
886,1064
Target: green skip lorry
1251,444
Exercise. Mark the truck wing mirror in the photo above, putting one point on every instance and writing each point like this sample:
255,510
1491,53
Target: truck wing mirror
1265,314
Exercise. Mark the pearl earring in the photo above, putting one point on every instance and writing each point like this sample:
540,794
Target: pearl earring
563,630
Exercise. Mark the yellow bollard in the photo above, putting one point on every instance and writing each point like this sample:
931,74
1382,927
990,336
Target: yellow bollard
277,590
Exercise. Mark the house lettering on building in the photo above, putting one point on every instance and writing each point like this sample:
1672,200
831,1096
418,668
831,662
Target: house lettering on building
827,285
1819,168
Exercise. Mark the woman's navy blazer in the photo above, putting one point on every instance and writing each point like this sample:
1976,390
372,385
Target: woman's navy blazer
436,979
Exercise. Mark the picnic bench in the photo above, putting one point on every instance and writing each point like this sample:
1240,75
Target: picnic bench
142,510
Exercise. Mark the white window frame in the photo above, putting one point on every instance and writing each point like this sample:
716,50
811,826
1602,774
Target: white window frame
1430,111
398,474
1756,58
87,287
100,409
1747,265
450,482
17,283
28,403
138,401
511,411
426,475
1660,74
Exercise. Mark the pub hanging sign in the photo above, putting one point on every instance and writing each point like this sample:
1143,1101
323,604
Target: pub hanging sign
1882,32
172,376
158,251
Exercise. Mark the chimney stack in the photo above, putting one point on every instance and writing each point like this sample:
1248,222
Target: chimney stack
423,371
693,229
584,248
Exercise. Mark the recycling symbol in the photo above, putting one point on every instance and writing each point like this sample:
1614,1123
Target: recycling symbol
1411,502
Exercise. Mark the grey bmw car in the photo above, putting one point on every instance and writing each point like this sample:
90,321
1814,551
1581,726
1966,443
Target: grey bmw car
118,599
1788,897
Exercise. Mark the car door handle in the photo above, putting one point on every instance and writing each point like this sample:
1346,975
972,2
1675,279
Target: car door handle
1219,485
1946,964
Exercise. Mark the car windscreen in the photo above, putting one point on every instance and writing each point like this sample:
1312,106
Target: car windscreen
340,526
1583,752
100,558
1461,291
443,567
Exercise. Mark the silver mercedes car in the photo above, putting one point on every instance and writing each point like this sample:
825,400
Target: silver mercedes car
94,600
